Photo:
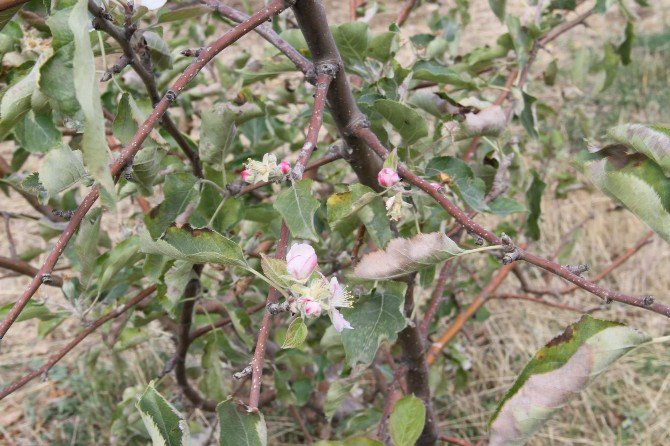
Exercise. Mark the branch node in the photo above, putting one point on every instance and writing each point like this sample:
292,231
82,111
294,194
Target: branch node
577,270
65,215
512,253
357,122
648,300
128,172
328,67
274,308
243,373
191,52
171,95
479,240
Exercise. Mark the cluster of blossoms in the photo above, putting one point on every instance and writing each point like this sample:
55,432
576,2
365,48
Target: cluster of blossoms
316,293
388,177
266,170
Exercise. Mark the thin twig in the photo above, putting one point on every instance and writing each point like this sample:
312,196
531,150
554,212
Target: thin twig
73,343
436,296
27,269
403,14
261,343
10,238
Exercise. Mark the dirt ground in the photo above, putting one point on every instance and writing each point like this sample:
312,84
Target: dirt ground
629,404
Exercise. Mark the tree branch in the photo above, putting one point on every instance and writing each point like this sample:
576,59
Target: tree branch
471,226
414,355
261,342
25,268
273,8
72,344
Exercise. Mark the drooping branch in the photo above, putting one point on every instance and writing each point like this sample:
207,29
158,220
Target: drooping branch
273,8
73,343
519,254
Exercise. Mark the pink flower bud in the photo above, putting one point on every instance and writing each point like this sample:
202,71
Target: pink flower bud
313,309
301,261
245,174
285,167
387,177
436,186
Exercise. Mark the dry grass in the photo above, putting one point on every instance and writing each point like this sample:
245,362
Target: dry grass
629,404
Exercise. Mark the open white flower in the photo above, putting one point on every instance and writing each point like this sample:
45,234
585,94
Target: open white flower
339,298
264,170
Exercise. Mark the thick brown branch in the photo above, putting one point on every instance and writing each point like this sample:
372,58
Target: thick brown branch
72,344
273,8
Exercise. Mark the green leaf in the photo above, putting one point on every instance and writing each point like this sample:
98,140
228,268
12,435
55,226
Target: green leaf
275,270
403,256
181,14
498,8
60,29
7,14
433,72
176,279
122,255
639,184
296,334
195,245
165,424
360,203
94,142
57,84
558,372
125,125
86,244
352,40
376,318
407,420
337,393
37,133
60,169
239,426
217,133
471,189
625,48
180,191
16,100
505,206
534,200
212,383
146,165
32,310
159,51
407,121
652,141
297,206
527,115
383,46
520,39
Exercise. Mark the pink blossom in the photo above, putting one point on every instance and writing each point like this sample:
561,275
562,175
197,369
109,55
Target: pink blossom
388,177
313,309
339,322
245,174
285,167
301,261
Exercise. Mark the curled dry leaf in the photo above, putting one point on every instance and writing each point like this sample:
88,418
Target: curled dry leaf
403,256
557,372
